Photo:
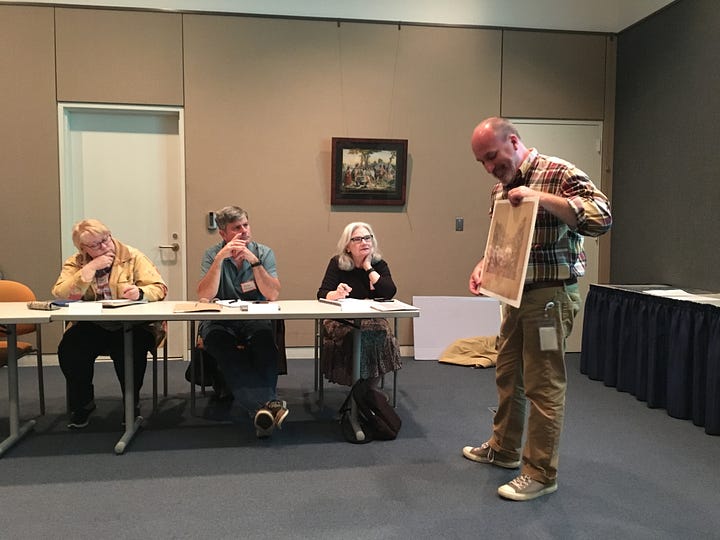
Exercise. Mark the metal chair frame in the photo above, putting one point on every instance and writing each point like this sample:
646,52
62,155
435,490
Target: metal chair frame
24,348
319,379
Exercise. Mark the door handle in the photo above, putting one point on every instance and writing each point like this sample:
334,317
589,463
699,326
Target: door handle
174,246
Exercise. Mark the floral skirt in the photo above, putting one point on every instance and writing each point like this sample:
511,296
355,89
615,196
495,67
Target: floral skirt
380,350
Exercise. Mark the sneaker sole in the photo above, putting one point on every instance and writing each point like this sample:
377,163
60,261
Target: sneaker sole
467,452
79,425
506,492
264,420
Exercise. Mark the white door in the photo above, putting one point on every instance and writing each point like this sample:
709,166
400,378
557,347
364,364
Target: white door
124,165
581,144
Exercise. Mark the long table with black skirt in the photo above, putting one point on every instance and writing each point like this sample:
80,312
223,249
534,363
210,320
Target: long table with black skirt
665,351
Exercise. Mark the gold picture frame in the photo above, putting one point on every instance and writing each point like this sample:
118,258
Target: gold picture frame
368,171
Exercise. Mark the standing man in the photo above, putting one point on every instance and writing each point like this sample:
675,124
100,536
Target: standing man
528,368
239,268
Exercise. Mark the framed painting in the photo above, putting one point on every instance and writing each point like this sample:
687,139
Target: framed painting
508,250
368,171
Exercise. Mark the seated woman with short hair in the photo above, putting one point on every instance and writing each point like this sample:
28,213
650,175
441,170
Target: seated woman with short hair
103,269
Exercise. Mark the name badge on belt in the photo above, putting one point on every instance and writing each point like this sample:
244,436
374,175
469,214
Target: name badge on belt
547,330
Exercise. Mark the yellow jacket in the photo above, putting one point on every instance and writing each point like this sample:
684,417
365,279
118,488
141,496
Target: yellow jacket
129,266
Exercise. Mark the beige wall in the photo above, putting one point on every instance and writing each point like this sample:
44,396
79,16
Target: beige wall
264,97
119,56
30,193
259,130
565,73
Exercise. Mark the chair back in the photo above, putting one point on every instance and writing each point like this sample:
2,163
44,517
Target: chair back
14,291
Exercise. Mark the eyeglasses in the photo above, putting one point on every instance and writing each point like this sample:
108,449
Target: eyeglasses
96,245
358,239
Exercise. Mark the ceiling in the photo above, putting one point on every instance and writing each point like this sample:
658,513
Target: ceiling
610,16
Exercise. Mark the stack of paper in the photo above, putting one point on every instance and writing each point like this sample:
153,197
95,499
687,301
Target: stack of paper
263,307
241,304
354,304
392,305
120,302
349,304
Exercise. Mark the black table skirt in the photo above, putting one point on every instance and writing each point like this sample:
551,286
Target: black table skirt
663,351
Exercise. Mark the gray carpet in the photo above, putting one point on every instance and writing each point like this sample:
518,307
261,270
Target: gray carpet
626,471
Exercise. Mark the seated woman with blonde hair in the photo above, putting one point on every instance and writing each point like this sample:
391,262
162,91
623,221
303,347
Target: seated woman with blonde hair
103,269
358,270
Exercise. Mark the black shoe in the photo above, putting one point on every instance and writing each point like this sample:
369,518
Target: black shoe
81,417
223,394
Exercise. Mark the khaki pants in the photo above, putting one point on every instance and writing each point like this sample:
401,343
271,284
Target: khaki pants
525,373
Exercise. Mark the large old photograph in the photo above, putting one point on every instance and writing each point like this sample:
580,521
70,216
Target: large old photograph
508,249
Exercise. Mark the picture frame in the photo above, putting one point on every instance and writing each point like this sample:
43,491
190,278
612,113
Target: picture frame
368,171
508,250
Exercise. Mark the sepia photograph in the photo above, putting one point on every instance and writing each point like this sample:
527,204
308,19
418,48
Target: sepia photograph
508,249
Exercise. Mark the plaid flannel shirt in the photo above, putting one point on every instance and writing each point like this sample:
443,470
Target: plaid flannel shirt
557,249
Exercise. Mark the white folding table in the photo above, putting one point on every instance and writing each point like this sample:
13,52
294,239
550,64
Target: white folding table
165,311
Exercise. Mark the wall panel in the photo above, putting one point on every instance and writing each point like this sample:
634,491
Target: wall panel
553,75
29,209
119,56
666,187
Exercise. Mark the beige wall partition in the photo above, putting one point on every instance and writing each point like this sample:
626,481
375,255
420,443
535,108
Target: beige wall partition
263,98
553,75
119,57
29,190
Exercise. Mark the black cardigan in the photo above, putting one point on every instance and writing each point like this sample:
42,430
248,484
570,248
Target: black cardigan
358,279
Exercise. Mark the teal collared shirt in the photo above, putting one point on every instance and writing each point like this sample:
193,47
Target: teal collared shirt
232,277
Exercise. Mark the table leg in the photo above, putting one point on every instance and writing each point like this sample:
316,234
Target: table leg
193,364
132,424
17,432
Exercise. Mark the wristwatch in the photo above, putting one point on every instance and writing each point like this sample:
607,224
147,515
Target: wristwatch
258,263
141,294
369,270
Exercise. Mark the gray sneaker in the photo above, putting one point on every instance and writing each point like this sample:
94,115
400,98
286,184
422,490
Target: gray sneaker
485,454
264,423
279,410
524,488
